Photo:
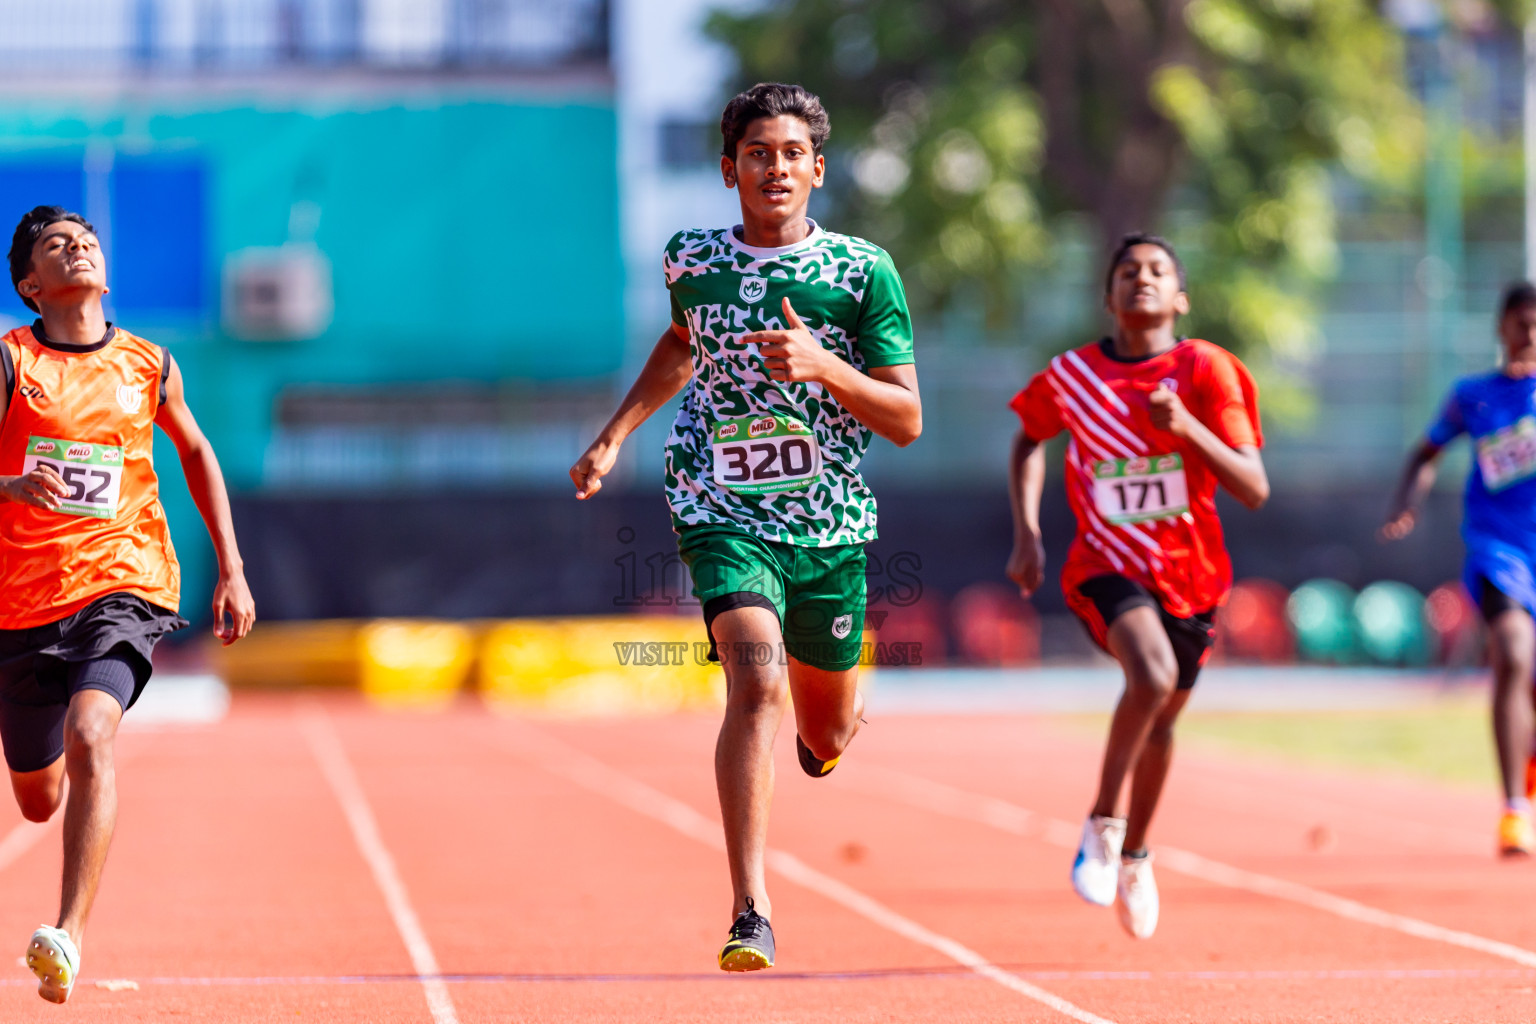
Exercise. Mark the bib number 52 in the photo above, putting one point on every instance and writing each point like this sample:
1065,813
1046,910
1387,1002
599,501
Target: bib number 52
86,485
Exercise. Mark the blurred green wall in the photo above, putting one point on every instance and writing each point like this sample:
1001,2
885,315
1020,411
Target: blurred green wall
471,238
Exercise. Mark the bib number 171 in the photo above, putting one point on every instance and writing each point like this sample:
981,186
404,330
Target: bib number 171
1142,489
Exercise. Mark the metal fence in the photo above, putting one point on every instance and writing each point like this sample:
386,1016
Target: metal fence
84,37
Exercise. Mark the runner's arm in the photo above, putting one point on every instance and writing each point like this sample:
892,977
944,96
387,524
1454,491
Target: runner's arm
665,373
1417,479
206,482
1240,470
885,399
1026,481
41,487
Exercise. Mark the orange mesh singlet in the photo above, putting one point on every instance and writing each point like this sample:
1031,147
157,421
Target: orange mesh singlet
89,410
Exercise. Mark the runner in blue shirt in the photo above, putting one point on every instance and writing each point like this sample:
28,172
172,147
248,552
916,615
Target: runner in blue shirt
1498,412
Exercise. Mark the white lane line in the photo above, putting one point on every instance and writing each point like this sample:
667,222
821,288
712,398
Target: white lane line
818,977
332,758
589,773
1007,817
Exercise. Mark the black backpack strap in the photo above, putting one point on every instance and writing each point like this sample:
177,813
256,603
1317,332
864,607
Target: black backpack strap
165,372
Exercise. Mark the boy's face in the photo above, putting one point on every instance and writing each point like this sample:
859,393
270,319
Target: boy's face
775,168
1517,331
1144,288
66,258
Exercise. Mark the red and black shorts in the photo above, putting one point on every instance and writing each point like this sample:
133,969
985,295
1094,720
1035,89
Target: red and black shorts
1103,599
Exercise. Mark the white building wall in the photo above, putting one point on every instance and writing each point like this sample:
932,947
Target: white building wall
665,69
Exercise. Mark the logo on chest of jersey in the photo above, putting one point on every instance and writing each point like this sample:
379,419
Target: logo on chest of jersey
30,391
753,289
129,398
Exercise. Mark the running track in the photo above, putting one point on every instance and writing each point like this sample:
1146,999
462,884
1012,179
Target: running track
318,861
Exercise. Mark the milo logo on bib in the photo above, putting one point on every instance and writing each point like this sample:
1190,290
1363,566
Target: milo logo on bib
92,472
765,455
1140,489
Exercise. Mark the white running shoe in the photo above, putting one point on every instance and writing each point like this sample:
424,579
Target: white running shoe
1138,896
1098,859
52,956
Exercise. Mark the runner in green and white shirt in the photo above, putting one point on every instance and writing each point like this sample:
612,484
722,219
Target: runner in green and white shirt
795,345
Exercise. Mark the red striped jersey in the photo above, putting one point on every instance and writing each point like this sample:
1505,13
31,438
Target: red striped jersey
1144,500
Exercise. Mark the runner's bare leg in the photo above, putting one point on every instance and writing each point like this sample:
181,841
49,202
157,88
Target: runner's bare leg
827,707
39,793
1139,642
90,813
1512,650
755,695
1151,771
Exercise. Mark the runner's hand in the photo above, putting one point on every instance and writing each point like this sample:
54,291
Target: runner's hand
1026,566
595,463
793,354
1399,526
42,487
1168,411
232,597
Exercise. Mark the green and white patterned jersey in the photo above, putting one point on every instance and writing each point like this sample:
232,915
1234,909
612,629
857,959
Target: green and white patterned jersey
778,460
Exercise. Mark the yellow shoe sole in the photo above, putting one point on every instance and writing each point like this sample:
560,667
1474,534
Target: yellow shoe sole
744,958
1516,836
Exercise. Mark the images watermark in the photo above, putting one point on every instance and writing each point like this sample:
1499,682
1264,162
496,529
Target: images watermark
663,653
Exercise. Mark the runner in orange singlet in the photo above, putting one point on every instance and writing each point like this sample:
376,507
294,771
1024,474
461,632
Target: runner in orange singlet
1156,423
88,579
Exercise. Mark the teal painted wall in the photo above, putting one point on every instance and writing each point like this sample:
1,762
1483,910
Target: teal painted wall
470,239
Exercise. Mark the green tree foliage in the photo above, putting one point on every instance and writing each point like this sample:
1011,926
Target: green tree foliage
974,130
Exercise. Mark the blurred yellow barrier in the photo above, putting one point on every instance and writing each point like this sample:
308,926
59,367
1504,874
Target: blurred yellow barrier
599,665
414,664
280,655
609,665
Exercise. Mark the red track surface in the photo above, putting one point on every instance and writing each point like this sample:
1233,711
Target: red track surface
548,890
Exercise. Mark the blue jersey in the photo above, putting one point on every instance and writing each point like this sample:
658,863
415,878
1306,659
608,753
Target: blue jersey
1498,413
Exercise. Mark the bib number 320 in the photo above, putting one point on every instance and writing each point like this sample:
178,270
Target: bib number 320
765,455
92,472
1138,490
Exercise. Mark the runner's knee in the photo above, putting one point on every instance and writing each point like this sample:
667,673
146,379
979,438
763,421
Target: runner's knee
1513,656
39,796
88,738
39,804
827,739
756,688
1153,672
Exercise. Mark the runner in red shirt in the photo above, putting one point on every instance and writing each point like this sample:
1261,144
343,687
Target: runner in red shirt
1155,423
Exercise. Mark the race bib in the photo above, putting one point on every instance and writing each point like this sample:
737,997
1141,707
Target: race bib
1136,490
92,472
1508,456
765,454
